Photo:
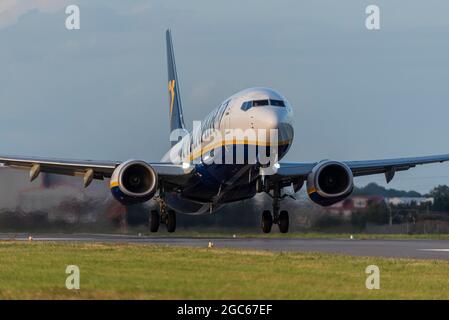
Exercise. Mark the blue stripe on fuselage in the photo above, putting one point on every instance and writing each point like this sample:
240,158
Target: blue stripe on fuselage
212,180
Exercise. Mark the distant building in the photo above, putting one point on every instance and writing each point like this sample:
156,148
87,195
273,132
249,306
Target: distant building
407,201
360,203
353,204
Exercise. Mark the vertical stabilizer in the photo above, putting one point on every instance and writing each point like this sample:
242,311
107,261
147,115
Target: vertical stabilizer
175,106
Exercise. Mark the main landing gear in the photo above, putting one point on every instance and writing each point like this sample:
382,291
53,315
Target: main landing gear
168,217
279,217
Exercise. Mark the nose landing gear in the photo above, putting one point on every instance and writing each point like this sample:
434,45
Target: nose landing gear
283,221
267,221
279,217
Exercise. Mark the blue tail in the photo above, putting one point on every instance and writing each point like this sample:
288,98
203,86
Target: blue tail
175,106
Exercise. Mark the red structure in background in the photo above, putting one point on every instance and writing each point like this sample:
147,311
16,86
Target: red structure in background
354,204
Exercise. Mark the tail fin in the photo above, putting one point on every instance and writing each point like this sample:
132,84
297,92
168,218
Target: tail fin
175,111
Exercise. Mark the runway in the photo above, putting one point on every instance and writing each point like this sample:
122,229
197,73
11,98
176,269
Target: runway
416,249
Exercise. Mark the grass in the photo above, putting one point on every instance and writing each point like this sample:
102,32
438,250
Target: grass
33,270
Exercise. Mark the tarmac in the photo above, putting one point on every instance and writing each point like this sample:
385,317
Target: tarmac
416,249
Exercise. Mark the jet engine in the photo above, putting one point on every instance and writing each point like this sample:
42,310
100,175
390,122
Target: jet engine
133,181
329,182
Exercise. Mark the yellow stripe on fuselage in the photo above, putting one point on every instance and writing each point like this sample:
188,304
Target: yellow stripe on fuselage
200,152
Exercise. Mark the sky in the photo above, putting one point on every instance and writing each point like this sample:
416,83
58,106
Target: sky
100,92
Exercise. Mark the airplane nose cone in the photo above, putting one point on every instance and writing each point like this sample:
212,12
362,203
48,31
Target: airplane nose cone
275,118
271,118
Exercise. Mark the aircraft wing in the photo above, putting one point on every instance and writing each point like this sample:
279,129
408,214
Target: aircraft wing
98,169
364,167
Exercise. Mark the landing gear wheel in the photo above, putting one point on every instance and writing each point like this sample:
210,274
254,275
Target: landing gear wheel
283,221
170,221
267,221
154,221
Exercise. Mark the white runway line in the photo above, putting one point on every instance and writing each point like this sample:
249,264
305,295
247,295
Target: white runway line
435,250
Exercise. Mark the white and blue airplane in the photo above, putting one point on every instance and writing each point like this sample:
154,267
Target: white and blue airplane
187,180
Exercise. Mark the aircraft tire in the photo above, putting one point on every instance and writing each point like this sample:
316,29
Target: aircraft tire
283,221
267,221
154,220
170,221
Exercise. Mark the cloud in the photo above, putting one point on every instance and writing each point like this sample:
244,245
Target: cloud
12,10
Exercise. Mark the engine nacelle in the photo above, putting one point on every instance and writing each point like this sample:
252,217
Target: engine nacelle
133,181
329,182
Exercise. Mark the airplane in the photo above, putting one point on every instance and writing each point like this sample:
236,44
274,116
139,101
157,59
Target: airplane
191,179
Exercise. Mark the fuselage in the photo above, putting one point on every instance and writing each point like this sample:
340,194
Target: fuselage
250,129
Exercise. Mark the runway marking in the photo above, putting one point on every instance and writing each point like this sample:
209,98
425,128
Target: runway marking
435,250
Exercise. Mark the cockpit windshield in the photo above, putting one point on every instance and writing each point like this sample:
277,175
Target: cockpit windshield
260,103
277,103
